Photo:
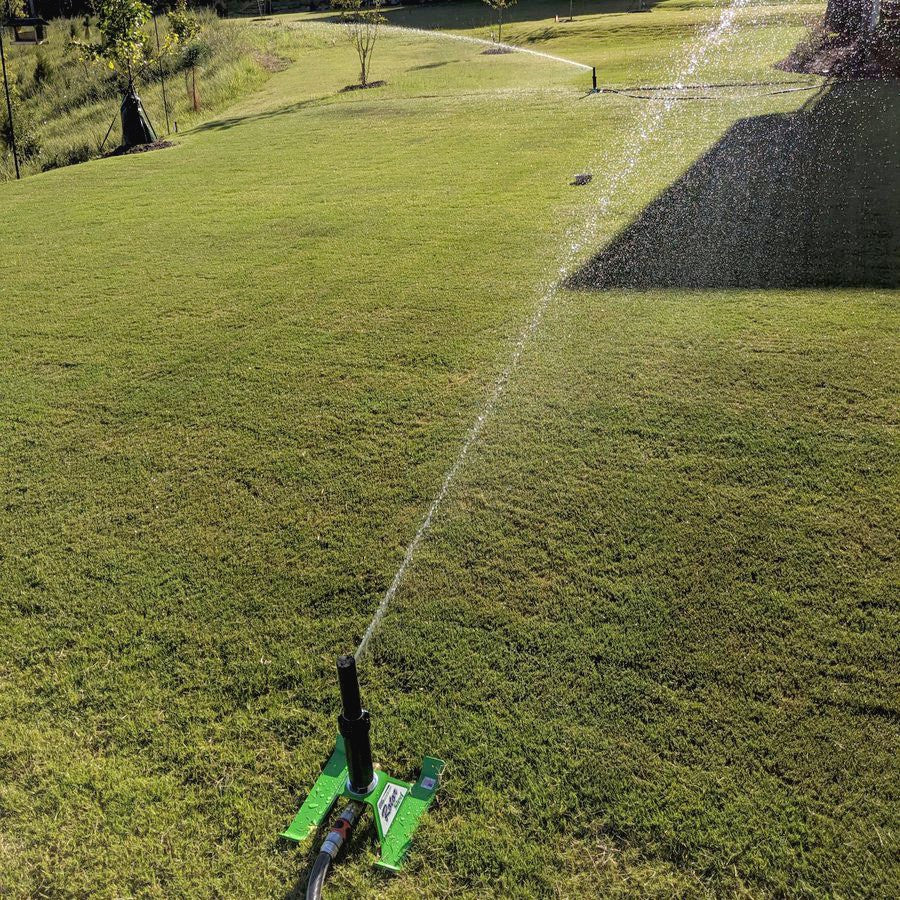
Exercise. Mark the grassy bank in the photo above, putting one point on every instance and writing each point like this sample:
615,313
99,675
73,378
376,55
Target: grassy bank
63,105
653,630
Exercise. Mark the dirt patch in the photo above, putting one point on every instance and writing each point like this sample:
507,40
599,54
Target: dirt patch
496,51
363,87
140,148
271,62
829,53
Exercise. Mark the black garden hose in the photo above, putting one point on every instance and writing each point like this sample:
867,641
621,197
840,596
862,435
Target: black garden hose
317,876
336,838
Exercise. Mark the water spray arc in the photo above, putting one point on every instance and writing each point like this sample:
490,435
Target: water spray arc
350,773
482,42
578,239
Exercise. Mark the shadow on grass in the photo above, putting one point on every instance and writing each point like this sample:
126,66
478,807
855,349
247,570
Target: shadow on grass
234,121
808,199
432,65
474,13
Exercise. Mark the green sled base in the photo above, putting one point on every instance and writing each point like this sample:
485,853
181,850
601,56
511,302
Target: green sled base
396,805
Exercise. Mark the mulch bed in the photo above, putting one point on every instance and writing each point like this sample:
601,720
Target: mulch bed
362,87
271,62
140,148
825,53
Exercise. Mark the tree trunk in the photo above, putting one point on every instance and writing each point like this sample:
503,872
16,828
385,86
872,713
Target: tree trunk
875,15
500,25
849,16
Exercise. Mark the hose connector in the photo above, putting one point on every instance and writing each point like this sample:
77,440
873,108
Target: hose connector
331,846
340,831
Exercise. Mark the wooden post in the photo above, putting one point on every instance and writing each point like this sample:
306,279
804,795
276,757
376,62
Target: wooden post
162,77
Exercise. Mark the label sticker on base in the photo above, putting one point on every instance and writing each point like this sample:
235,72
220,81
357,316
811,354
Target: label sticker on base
388,804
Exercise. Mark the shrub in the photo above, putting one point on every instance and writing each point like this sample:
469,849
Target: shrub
43,68
69,156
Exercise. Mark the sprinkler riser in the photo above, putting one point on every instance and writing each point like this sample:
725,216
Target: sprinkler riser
397,806
348,682
358,745
354,725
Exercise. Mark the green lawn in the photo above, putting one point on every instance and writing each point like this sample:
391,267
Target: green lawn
653,629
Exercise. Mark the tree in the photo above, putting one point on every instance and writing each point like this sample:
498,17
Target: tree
184,26
362,23
123,46
500,5
11,9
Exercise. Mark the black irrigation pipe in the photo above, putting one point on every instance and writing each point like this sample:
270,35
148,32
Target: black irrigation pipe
625,92
697,87
824,84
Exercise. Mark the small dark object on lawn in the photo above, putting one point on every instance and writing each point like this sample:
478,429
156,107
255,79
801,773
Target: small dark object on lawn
583,178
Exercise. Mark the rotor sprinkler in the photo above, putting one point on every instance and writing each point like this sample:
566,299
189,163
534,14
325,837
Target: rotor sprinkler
350,774
593,79
354,725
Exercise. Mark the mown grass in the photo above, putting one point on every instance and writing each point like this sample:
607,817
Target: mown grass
653,631
64,105
621,44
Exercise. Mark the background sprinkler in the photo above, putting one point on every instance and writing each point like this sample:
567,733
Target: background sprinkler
350,774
